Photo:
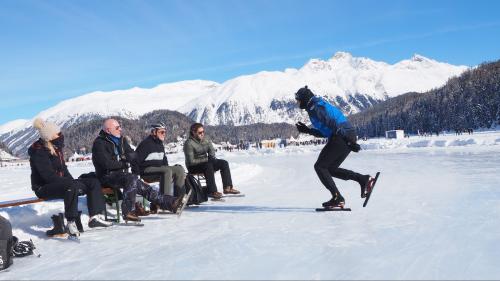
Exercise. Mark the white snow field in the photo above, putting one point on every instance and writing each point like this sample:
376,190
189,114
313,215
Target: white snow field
435,214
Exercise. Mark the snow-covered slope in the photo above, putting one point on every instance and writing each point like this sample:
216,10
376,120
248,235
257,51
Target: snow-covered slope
353,83
350,82
6,156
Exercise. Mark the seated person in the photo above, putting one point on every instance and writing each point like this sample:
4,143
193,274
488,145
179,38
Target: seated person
111,156
200,158
153,163
50,179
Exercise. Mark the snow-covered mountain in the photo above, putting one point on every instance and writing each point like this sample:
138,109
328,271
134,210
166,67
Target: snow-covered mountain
353,83
350,82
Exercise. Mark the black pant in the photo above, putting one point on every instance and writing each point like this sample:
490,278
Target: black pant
132,185
329,161
209,169
69,189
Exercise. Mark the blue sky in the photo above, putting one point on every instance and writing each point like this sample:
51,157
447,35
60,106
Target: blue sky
54,50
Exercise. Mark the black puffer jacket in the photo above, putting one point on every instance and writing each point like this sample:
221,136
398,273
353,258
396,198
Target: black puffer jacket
151,153
104,157
45,167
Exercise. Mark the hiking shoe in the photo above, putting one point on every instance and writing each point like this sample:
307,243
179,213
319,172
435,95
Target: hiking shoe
131,217
72,229
215,195
59,228
231,190
98,221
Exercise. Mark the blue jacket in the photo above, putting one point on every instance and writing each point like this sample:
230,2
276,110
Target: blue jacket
327,119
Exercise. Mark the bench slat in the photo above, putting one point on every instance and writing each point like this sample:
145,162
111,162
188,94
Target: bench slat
20,202
25,201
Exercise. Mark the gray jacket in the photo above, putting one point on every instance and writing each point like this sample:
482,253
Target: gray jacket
197,152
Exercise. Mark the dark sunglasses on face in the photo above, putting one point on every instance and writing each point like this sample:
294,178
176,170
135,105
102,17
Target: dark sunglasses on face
162,132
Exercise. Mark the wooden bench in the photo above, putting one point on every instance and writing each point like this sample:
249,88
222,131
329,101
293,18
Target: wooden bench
107,191
20,202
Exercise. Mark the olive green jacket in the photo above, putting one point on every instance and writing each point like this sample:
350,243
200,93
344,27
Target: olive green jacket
197,152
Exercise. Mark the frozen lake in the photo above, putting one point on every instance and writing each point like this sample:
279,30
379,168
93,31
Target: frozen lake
435,214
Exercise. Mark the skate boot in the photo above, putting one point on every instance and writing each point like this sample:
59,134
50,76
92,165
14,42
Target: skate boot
215,195
58,229
328,203
72,229
366,186
131,217
176,204
336,202
78,222
140,211
230,190
98,221
153,208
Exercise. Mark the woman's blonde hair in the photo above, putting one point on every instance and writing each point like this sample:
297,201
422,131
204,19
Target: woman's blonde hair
50,147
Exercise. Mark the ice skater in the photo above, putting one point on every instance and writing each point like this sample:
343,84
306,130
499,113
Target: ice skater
329,122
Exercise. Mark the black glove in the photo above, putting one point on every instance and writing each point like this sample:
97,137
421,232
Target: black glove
354,146
302,128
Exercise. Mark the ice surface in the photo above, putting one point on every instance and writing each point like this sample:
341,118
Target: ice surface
434,215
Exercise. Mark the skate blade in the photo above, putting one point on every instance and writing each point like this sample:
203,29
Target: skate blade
333,209
60,235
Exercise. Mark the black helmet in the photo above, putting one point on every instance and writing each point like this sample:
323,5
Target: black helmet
303,95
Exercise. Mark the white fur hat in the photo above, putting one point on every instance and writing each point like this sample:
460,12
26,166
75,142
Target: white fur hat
47,129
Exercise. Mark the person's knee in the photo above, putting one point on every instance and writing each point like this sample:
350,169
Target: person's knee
167,173
209,167
318,166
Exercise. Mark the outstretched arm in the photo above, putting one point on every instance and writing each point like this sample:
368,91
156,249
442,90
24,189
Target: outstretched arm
306,130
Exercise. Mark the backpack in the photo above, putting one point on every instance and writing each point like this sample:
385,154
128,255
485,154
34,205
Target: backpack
199,194
6,243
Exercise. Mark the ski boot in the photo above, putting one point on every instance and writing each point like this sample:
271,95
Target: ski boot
59,228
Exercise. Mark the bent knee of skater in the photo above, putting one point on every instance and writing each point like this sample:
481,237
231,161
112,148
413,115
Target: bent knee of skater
319,166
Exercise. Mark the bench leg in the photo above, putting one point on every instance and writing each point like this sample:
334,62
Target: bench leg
117,202
105,211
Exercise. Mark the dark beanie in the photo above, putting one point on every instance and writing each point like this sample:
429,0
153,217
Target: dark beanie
303,95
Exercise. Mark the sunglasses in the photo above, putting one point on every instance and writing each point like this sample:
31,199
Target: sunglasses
161,132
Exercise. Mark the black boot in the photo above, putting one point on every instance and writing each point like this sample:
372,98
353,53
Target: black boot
78,222
59,228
